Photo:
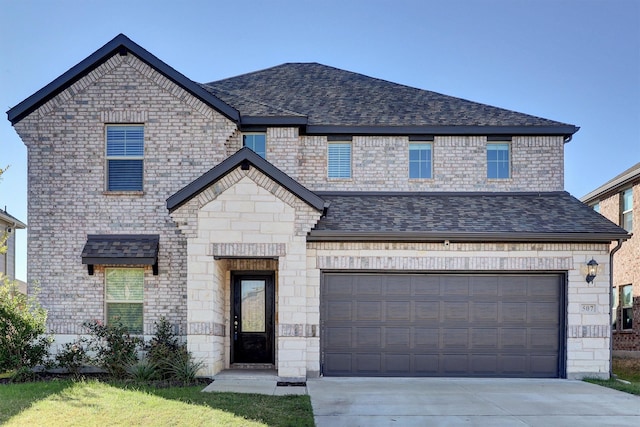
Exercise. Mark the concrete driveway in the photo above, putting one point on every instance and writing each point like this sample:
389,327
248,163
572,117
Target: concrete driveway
404,402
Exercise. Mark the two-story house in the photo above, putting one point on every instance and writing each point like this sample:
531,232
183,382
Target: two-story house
8,226
312,220
619,201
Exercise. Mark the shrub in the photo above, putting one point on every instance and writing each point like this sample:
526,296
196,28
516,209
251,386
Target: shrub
73,356
116,351
23,344
185,369
144,371
164,349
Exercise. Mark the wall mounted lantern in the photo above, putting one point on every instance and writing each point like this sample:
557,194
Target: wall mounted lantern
592,270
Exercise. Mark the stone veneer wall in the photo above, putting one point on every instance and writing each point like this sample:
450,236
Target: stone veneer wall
626,269
246,214
587,332
67,199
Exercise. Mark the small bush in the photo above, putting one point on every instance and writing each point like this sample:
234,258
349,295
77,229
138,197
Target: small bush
164,349
144,371
23,344
185,369
116,351
74,356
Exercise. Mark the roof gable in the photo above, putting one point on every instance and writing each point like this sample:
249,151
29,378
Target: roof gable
120,45
243,158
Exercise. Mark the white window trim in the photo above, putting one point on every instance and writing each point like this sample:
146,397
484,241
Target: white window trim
347,143
624,307
430,144
256,133
510,152
628,211
108,157
108,301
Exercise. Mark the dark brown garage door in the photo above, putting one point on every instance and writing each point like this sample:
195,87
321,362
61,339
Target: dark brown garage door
469,325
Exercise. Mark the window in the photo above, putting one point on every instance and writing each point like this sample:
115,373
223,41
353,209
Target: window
420,160
614,309
125,151
627,307
596,207
627,210
257,142
339,163
124,289
498,161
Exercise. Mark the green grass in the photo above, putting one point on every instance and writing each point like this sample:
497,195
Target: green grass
627,370
93,403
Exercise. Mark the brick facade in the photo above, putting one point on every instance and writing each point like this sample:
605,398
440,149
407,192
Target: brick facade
626,269
246,221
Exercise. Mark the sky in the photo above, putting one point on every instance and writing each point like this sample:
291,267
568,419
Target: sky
573,61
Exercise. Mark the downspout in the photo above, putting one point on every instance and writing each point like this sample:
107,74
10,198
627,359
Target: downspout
611,254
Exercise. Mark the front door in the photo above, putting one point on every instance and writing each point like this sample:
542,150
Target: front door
252,318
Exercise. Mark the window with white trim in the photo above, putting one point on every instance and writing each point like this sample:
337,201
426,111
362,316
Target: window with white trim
339,160
627,307
257,142
124,297
125,157
420,160
596,207
498,162
626,220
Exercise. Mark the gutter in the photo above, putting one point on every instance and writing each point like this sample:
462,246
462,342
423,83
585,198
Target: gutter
611,254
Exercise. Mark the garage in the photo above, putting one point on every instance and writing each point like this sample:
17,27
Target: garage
442,325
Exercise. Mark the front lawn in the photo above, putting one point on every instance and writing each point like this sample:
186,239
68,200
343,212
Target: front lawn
94,403
627,370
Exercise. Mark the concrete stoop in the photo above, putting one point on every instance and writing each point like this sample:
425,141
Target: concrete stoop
255,381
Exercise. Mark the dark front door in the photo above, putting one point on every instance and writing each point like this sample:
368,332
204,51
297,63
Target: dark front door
252,319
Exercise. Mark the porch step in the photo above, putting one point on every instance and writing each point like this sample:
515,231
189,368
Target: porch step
253,366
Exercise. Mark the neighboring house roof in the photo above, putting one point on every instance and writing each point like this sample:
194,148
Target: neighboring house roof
615,184
339,101
244,158
552,216
10,219
321,99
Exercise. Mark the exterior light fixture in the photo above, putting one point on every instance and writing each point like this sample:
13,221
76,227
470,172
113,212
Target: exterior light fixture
592,270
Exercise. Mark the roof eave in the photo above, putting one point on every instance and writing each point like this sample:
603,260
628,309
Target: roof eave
463,237
118,45
611,187
292,121
566,131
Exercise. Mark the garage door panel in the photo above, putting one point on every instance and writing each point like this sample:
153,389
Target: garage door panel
340,310
398,311
427,311
513,312
478,325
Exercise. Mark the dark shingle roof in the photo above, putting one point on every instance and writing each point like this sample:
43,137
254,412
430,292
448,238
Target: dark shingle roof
332,97
614,184
124,249
553,216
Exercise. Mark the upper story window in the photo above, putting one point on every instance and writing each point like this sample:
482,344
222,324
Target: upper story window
420,162
125,155
498,163
339,160
257,142
124,297
626,219
627,307
596,207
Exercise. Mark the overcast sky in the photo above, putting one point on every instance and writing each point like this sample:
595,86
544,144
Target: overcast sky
574,61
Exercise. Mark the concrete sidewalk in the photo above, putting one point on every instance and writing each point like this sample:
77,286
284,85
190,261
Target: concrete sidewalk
252,381
404,402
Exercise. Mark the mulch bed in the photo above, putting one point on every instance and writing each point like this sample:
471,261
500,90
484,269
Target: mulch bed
49,376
